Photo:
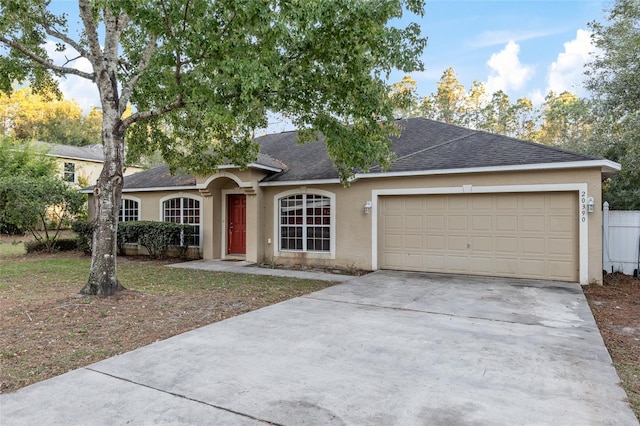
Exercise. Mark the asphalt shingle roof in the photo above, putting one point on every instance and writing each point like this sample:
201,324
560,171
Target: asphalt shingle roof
89,152
422,146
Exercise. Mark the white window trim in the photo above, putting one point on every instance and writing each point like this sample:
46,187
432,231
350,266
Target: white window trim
332,227
578,188
132,198
183,195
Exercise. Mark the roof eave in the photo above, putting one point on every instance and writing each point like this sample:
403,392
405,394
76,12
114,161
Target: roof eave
607,168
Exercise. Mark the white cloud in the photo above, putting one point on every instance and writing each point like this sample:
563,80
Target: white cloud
494,38
506,70
567,72
84,91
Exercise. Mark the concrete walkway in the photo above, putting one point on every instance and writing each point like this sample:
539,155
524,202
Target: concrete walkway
244,267
389,348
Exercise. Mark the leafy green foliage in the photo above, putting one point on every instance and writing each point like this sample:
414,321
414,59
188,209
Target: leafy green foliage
84,234
61,244
614,80
42,206
202,76
18,159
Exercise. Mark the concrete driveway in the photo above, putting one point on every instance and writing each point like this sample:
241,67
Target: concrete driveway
389,348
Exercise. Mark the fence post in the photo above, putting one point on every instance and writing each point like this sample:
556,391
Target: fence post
606,262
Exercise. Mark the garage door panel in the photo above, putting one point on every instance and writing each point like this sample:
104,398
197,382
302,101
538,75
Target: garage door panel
506,266
534,202
392,241
481,265
482,223
482,244
436,223
533,268
533,246
532,224
457,264
457,223
506,223
557,269
457,242
393,222
515,235
413,242
434,262
562,223
560,247
436,242
413,223
506,244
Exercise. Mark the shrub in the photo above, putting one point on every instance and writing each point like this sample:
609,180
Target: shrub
84,231
63,244
157,237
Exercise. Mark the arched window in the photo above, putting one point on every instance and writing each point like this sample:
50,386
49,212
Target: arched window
185,211
305,223
129,210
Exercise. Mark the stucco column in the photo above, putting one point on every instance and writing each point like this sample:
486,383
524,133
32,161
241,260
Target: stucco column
207,225
254,226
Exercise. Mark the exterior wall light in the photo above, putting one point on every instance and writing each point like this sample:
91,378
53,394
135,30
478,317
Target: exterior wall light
590,204
367,207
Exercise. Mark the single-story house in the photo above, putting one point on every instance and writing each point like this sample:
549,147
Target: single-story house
456,200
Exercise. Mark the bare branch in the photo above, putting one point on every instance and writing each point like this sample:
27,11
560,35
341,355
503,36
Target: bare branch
142,66
44,62
53,32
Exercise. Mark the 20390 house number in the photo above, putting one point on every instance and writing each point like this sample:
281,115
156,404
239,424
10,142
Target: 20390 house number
583,206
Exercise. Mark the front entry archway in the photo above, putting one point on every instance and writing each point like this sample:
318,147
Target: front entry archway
236,224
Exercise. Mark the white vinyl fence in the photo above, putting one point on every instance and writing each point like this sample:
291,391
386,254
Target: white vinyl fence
620,240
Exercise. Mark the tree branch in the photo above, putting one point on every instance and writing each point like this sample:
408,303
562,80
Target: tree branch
43,61
53,32
86,14
142,65
147,115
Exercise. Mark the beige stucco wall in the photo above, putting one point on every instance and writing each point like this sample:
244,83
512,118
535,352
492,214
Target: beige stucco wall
353,228
88,171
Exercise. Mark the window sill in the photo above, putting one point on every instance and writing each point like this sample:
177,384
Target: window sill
306,254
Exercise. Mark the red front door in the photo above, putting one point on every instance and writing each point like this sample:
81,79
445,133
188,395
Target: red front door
236,224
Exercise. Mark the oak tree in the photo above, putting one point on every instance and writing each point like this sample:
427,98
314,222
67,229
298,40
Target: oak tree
203,74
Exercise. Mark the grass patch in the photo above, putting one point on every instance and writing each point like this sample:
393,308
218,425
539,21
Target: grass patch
48,329
9,248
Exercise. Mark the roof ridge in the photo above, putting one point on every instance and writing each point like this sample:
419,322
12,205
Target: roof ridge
471,132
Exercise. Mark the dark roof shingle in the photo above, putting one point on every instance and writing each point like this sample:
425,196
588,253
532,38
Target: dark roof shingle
423,145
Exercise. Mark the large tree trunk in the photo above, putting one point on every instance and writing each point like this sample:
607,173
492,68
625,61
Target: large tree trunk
107,194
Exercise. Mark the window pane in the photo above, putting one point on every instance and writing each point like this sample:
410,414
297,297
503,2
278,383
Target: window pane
184,211
305,218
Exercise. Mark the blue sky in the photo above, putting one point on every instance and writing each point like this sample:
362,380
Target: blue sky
522,47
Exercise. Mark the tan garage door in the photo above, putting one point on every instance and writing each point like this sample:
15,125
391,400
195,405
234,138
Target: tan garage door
528,235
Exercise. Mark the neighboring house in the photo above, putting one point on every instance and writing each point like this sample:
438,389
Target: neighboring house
456,201
80,165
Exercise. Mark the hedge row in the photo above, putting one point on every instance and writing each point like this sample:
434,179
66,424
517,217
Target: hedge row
62,244
157,237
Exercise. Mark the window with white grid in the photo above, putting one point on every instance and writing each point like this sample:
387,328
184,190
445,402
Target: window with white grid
305,223
129,210
185,211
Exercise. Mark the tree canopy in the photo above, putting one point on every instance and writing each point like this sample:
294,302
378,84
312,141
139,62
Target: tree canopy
202,75
26,115
613,78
